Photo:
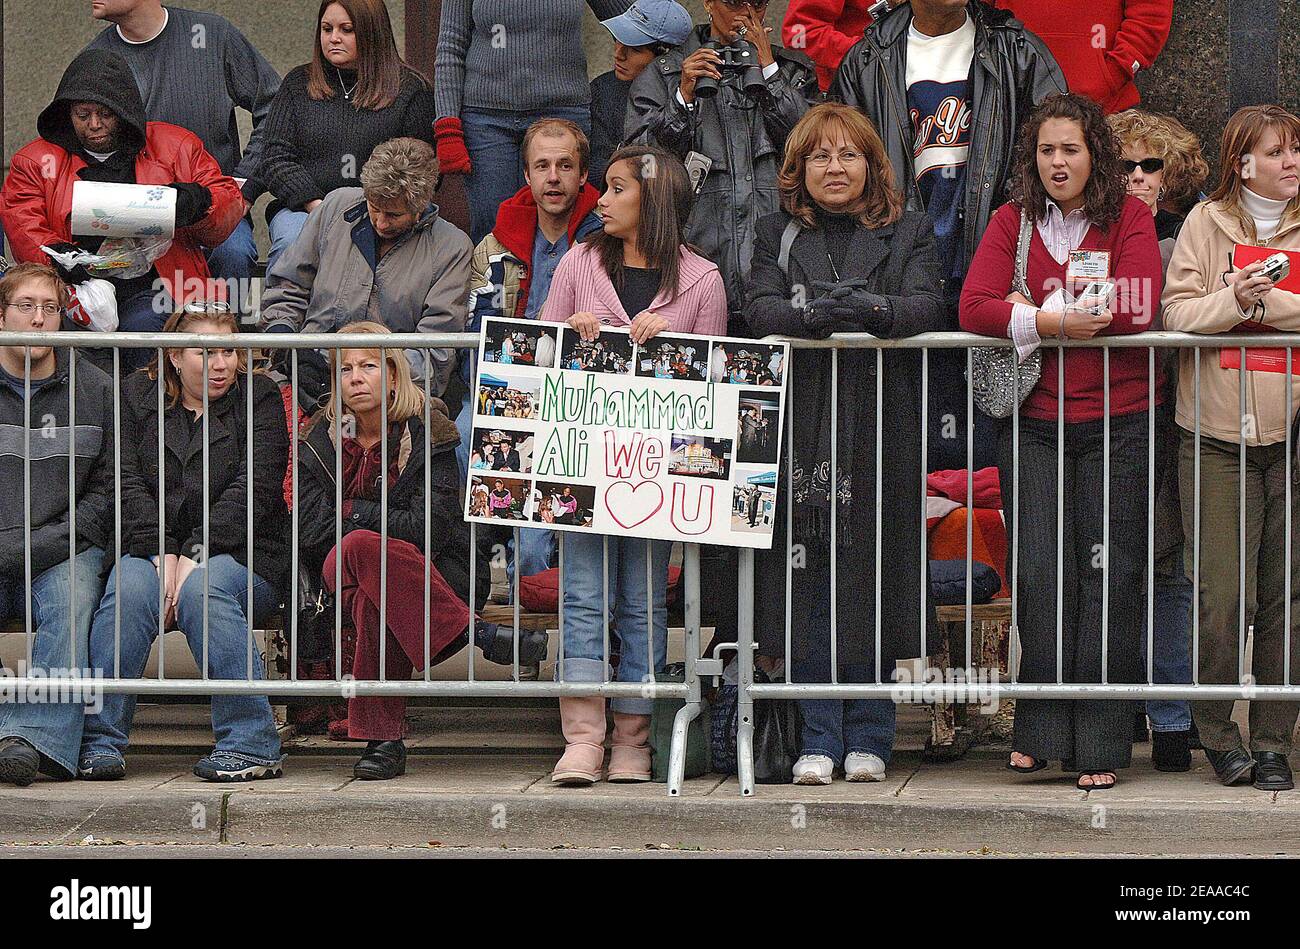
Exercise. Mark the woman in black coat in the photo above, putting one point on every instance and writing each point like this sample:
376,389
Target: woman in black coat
856,263
352,568
204,575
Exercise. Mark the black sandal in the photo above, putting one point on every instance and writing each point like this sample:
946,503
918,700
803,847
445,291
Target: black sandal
1095,787
1038,765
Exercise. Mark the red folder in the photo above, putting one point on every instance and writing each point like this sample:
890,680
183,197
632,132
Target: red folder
1263,360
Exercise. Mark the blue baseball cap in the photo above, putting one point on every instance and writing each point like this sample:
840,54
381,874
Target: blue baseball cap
651,21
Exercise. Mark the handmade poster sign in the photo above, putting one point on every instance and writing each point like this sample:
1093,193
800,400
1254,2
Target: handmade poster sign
103,209
678,439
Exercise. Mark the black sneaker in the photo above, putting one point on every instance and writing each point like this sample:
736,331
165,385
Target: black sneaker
230,767
19,762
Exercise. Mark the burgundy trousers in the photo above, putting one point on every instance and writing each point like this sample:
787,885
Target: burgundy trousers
377,718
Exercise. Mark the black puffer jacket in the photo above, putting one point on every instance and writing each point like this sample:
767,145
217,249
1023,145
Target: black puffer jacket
228,490
744,137
448,533
1013,71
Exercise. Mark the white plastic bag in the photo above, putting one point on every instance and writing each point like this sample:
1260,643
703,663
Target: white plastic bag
121,257
93,305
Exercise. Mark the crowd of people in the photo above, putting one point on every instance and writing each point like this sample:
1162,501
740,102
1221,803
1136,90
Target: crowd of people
941,165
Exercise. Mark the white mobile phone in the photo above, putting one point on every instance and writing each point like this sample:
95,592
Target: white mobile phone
1099,292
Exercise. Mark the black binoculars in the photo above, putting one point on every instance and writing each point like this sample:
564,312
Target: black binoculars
739,58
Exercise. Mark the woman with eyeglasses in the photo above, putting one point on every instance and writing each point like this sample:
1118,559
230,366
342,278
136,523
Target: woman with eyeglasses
1165,171
855,261
1212,289
191,571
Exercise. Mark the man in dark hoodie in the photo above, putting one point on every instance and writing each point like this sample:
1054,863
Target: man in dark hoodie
41,559
95,130
513,266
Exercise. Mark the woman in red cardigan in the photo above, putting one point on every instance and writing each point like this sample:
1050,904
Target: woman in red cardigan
1070,188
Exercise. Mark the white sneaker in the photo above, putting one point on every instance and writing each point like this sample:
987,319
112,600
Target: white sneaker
813,769
859,766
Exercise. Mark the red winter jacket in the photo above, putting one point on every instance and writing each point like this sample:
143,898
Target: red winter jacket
35,208
824,30
1101,44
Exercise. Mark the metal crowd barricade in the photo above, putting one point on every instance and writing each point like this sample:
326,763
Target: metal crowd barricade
919,691
689,691
342,685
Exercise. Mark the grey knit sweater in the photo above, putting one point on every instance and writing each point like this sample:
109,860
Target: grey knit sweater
514,55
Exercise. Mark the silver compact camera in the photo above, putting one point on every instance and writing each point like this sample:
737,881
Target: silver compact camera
1276,268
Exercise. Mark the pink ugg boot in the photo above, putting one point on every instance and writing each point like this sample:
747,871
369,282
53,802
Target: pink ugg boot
629,757
583,722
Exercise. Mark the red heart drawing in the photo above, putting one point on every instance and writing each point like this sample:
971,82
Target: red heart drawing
631,505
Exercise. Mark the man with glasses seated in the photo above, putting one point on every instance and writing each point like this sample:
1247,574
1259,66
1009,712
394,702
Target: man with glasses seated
36,441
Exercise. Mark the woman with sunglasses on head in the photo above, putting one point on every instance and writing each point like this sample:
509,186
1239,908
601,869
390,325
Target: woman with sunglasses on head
198,568
1165,170
1079,226
1256,204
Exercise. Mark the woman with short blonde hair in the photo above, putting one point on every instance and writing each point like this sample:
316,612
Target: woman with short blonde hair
379,421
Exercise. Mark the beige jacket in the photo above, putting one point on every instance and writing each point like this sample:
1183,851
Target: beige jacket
1196,300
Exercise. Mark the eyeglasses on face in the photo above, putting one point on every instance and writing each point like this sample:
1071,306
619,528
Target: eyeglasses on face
823,159
1149,166
27,309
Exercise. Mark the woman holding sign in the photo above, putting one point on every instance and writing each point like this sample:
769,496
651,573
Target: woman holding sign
1253,213
1079,229
855,261
639,273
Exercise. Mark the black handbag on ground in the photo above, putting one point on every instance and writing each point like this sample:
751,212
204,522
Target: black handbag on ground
778,731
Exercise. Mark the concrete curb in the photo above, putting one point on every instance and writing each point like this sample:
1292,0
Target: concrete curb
577,819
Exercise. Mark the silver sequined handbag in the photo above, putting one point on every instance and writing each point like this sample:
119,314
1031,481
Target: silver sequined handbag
994,370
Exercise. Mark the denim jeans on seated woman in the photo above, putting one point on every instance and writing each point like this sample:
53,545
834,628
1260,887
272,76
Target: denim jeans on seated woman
583,659
241,724
67,591
836,727
284,228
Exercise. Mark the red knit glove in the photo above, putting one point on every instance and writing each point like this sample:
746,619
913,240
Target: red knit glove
453,157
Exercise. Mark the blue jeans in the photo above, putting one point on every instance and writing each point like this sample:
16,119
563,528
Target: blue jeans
584,627
54,728
285,228
1172,663
233,261
495,139
242,724
833,727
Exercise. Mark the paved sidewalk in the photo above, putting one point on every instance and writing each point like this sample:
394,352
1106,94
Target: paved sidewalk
506,800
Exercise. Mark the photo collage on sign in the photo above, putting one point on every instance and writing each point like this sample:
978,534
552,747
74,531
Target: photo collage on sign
760,369
509,440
